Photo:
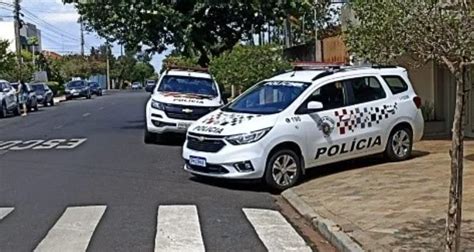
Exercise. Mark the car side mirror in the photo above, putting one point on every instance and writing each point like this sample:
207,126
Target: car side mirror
314,106
6,90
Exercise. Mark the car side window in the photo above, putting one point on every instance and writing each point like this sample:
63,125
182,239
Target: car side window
396,84
365,89
331,95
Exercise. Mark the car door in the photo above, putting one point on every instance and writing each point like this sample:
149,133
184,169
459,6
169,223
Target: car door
371,113
326,137
10,96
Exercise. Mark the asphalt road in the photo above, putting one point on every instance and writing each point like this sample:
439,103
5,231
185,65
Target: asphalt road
101,180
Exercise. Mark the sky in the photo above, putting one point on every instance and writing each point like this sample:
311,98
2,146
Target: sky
60,31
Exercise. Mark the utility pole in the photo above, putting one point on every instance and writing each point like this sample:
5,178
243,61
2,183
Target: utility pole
108,66
17,24
82,37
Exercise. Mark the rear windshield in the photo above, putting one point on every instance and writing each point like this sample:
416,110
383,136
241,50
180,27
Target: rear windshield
37,87
396,84
188,85
75,84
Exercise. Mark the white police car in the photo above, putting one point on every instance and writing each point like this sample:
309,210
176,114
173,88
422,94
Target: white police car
314,115
182,96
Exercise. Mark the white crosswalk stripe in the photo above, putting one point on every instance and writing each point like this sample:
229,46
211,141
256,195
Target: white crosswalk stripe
274,231
73,231
178,229
4,211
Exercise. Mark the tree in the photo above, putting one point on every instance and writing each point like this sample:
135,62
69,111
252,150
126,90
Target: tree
246,65
199,28
427,30
7,58
142,71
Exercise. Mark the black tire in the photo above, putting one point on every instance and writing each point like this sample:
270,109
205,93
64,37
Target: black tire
45,103
150,138
3,110
36,106
399,145
51,102
271,174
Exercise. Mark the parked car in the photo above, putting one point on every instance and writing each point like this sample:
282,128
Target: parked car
183,96
76,89
32,100
43,93
307,118
96,89
8,100
150,86
136,86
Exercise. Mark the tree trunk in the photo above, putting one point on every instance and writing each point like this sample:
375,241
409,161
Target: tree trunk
453,222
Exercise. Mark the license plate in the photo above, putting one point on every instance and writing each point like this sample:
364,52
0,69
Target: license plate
183,125
198,161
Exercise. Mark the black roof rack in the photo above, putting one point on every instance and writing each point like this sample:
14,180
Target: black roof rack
310,65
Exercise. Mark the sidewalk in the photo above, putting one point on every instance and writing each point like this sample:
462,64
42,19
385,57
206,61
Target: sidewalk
392,206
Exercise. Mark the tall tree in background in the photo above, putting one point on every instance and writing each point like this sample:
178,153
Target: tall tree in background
7,58
427,30
200,28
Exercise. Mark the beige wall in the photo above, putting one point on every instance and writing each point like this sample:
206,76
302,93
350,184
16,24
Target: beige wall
423,80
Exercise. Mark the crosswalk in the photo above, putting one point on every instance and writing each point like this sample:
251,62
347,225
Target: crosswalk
178,228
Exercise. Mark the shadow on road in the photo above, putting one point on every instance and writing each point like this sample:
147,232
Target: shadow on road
330,169
255,185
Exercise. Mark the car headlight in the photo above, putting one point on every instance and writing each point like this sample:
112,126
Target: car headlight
247,138
157,105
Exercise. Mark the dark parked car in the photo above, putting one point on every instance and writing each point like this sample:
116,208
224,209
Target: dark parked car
32,101
77,88
96,89
150,86
136,86
43,93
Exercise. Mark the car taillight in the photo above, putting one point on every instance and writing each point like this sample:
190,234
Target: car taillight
417,101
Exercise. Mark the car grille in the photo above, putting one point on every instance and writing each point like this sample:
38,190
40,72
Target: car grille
210,168
208,144
176,112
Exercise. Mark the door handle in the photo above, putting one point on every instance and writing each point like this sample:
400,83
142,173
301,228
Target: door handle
390,109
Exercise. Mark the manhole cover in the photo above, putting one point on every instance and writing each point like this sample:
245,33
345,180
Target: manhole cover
470,157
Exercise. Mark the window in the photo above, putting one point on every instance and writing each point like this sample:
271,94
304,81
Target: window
396,84
267,97
330,95
188,85
365,89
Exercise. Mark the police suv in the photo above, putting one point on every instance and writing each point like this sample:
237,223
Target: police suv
181,96
314,115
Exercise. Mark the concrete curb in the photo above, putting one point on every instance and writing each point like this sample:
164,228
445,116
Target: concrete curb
326,227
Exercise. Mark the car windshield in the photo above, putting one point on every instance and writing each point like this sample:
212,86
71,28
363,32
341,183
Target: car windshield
188,85
37,87
75,84
93,84
267,97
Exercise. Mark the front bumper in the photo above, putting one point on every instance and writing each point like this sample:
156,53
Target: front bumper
158,122
222,163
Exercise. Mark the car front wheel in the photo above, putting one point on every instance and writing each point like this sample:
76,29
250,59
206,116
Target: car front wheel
283,170
400,144
3,110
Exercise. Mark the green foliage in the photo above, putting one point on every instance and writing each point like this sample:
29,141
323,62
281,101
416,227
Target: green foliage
56,87
7,59
244,66
179,60
142,71
424,29
197,28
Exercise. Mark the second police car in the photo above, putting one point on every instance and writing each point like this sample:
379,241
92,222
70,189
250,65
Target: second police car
312,116
181,96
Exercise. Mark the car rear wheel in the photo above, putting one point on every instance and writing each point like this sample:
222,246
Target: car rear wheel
283,170
400,144
51,102
3,110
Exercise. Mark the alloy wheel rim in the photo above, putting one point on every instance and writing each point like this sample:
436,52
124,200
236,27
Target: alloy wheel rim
401,143
284,170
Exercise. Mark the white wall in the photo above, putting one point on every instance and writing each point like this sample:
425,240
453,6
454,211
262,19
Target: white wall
7,31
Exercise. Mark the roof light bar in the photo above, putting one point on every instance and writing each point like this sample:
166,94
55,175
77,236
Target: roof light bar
309,65
190,69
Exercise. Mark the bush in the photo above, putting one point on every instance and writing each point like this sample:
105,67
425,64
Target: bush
57,88
244,66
